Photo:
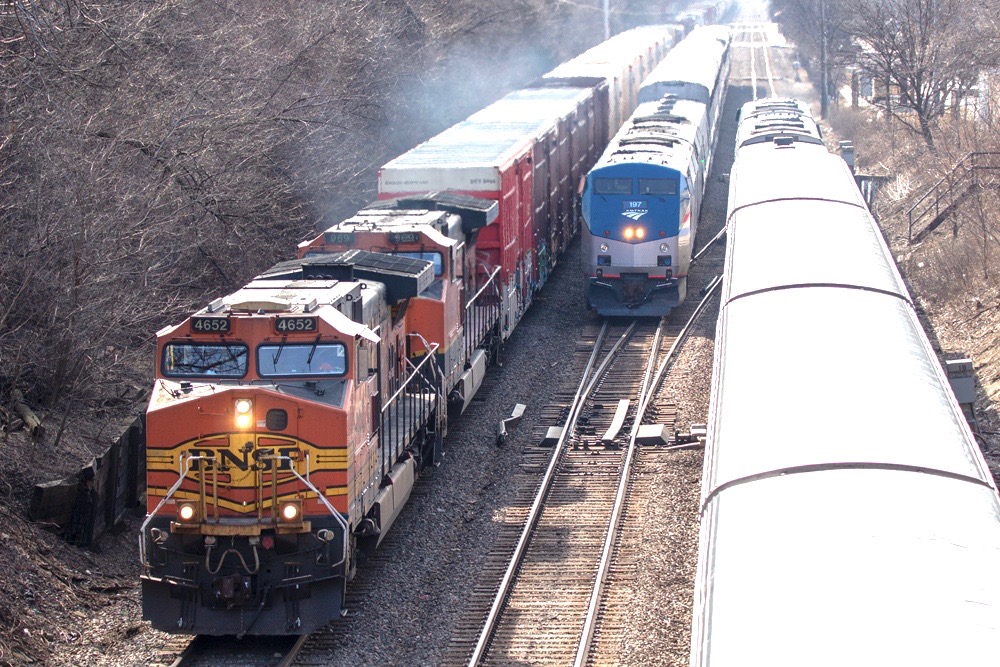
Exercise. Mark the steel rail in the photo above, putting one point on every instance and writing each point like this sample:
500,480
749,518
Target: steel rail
712,241
200,647
766,57
590,620
661,370
583,391
649,388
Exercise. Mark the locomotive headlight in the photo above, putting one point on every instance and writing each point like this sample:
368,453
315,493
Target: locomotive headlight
187,512
290,511
640,233
664,247
244,416
604,247
629,233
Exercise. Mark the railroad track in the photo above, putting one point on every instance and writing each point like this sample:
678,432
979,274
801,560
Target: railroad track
754,34
549,606
207,651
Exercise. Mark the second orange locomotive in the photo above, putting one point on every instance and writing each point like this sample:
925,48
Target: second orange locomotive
289,421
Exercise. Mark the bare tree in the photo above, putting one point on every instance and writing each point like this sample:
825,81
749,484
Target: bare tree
818,28
930,52
155,155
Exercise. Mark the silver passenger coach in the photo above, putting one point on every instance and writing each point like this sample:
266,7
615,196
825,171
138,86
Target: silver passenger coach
848,515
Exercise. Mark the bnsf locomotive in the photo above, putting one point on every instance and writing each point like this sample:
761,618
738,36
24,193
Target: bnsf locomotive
289,419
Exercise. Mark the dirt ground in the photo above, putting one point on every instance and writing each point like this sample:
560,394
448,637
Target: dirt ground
53,594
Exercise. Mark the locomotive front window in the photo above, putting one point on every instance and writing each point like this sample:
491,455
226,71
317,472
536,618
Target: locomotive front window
191,360
299,359
612,186
658,186
434,257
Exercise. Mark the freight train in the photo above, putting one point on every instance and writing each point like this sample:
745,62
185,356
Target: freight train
289,420
642,200
528,151
847,514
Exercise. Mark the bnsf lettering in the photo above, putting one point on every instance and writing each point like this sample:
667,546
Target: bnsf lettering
242,460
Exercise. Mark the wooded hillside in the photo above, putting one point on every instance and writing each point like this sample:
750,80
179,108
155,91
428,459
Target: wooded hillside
154,155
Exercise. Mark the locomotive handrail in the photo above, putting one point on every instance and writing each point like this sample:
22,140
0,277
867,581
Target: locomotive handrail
424,372
479,323
333,510
186,463
432,349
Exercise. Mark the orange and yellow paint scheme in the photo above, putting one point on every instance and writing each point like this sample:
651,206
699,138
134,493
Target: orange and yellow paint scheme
461,307
268,456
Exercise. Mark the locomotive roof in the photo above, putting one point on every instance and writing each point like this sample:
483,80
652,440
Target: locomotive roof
818,174
476,213
661,132
611,58
792,196
434,224
497,133
765,120
323,298
696,59
403,277
799,231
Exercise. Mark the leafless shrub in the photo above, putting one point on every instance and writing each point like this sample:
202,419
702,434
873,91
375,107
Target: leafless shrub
153,155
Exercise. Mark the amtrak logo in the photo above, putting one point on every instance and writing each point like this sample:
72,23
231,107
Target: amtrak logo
635,209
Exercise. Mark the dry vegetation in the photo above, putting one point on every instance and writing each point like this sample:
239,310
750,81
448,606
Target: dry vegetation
952,272
154,155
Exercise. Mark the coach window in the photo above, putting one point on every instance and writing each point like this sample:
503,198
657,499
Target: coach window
302,359
612,186
191,360
658,186
434,257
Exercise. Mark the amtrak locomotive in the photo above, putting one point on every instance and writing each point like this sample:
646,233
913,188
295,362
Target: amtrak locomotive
642,199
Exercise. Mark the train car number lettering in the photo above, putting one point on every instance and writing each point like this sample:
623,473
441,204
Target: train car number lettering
295,324
338,238
396,238
211,324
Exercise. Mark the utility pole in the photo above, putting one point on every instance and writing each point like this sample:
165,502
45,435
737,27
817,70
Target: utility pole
607,21
824,105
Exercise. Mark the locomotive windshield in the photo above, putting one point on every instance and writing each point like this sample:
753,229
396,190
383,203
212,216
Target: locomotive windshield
657,186
612,186
189,360
298,359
